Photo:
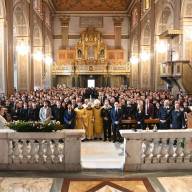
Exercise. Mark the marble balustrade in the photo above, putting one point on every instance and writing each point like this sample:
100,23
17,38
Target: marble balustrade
162,150
58,151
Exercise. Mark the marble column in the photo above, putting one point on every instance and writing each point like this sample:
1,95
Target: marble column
65,31
31,66
2,56
9,37
117,30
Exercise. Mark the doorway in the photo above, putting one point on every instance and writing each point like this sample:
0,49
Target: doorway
91,83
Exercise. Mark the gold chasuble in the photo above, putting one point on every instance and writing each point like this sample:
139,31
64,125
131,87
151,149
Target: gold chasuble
80,118
98,122
89,118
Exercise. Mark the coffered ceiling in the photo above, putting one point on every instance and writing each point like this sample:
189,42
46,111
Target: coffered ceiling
91,5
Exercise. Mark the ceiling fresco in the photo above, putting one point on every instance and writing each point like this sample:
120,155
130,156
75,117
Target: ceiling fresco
91,5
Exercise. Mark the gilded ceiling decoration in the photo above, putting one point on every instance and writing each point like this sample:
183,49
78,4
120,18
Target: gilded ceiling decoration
91,5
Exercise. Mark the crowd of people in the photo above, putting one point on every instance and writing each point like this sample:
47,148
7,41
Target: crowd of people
99,111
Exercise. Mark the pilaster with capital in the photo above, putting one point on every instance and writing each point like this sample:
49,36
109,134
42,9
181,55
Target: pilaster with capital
65,31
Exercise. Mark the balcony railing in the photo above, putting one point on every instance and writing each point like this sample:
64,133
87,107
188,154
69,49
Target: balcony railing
90,69
172,69
41,151
162,150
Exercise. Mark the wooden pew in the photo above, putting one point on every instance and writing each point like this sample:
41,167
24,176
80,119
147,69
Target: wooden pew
133,121
189,120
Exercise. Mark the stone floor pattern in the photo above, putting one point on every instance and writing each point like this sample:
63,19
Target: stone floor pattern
102,172
143,184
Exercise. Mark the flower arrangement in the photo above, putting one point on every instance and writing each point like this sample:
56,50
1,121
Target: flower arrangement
30,126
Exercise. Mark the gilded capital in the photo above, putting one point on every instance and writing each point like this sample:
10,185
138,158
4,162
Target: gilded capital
118,21
65,21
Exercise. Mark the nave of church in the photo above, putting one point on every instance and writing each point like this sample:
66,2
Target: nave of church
95,96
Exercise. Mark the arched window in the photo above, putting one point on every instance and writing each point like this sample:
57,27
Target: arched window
21,48
146,5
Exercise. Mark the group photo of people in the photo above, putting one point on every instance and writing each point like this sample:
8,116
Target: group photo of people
99,111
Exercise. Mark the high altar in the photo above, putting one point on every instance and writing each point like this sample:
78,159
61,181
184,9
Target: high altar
92,58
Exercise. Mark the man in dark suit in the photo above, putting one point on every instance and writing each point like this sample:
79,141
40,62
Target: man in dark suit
105,113
165,115
34,112
116,116
69,117
149,109
23,114
58,112
177,118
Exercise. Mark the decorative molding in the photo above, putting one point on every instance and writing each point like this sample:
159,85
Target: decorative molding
65,21
78,36
93,21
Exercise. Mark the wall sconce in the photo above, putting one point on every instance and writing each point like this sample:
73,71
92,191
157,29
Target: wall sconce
162,46
22,48
188,33
38,56
145,56
48,60
134,60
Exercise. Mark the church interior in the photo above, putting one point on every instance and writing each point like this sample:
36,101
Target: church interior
95,95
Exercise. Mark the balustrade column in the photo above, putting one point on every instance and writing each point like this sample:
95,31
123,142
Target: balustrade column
171,151
187,150
155,151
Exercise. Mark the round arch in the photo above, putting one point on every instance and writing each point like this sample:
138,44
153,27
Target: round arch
186,18
21,47
165,20
37,55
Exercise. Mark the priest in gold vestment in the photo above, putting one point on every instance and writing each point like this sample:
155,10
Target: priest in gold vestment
98,121
80,116
89,119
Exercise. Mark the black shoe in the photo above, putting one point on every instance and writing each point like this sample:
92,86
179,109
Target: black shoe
104,139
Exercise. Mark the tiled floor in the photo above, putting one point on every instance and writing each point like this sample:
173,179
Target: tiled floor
25,184
169,183
107,185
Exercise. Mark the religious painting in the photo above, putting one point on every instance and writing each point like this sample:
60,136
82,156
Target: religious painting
91,52
96,22
87,5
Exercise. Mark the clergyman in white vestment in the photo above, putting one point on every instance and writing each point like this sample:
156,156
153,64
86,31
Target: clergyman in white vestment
3,121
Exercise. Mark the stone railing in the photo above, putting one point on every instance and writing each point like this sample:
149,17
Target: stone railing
59,151
63,70
162,150
91,69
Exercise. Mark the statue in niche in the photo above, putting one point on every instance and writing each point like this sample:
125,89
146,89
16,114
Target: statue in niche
102,54
79,53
